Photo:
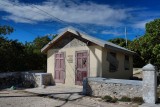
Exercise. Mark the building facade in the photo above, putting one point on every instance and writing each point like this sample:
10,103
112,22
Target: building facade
73,55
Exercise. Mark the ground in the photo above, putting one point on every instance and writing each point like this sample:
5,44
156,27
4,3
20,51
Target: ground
52,97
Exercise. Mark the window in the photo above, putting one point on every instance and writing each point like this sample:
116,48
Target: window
113,63
126,62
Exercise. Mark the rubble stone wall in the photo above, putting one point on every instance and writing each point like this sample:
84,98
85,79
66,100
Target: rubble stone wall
113,87
24,79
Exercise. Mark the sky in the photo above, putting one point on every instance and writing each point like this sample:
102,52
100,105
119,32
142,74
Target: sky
104,19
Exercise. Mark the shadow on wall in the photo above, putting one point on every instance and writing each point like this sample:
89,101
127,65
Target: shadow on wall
99,63
10,80
23,80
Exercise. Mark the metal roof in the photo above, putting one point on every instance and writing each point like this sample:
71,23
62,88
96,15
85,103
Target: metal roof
97,41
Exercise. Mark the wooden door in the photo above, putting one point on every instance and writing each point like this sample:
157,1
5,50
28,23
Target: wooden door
81,66
59,67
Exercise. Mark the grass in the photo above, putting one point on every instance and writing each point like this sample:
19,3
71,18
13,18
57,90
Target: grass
138,100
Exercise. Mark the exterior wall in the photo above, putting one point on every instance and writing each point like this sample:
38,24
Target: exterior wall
121,73
100,87
95,61
98,64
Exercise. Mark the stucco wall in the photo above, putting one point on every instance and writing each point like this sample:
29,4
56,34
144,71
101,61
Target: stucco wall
98,64
95,61
121,73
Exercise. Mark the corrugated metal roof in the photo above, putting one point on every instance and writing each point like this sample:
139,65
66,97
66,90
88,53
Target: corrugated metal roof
97,41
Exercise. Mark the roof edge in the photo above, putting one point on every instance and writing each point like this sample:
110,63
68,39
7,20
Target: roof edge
97,41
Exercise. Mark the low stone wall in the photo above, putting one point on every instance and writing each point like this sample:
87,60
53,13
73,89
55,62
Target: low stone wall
24,79
10,79
113,87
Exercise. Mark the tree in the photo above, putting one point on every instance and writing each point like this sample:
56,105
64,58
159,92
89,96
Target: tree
35,60
4,30
15,56
120,41
11,51
40,42
148,45
11,55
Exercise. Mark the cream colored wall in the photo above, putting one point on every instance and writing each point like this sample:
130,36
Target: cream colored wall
95,62
120,73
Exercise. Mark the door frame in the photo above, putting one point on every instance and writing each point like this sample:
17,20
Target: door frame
64,67
88,62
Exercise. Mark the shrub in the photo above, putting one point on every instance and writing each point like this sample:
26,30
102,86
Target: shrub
107,98
114,100
125,99
138,100
110,99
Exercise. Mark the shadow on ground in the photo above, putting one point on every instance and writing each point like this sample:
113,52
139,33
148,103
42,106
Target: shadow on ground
66,96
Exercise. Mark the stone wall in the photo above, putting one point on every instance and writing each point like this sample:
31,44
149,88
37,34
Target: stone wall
113,87
10,79
36,79
24,79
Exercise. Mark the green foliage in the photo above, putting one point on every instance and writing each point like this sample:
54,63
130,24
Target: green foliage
120,41
15,56
11,55
109,99
4,30
148,46
39,43
125,99
138,100
138,60
37,60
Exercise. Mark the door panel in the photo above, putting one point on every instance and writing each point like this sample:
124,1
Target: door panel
59,67
81,66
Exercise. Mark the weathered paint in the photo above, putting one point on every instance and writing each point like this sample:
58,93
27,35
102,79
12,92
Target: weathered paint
95,59
121,73
81,66
59,67
98,64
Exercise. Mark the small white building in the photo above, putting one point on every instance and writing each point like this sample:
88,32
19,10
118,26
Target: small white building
73,55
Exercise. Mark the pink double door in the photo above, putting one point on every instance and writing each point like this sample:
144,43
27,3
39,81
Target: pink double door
59,67
81,66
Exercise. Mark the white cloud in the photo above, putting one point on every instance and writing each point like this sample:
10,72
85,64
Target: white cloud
114,33
73,12
141,24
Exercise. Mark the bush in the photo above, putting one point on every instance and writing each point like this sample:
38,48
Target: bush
138,100
125,99
107,98
110,99
114,100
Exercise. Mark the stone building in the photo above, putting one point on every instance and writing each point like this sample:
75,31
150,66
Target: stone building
73,55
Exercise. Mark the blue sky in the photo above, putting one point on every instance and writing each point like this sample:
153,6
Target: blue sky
104,19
